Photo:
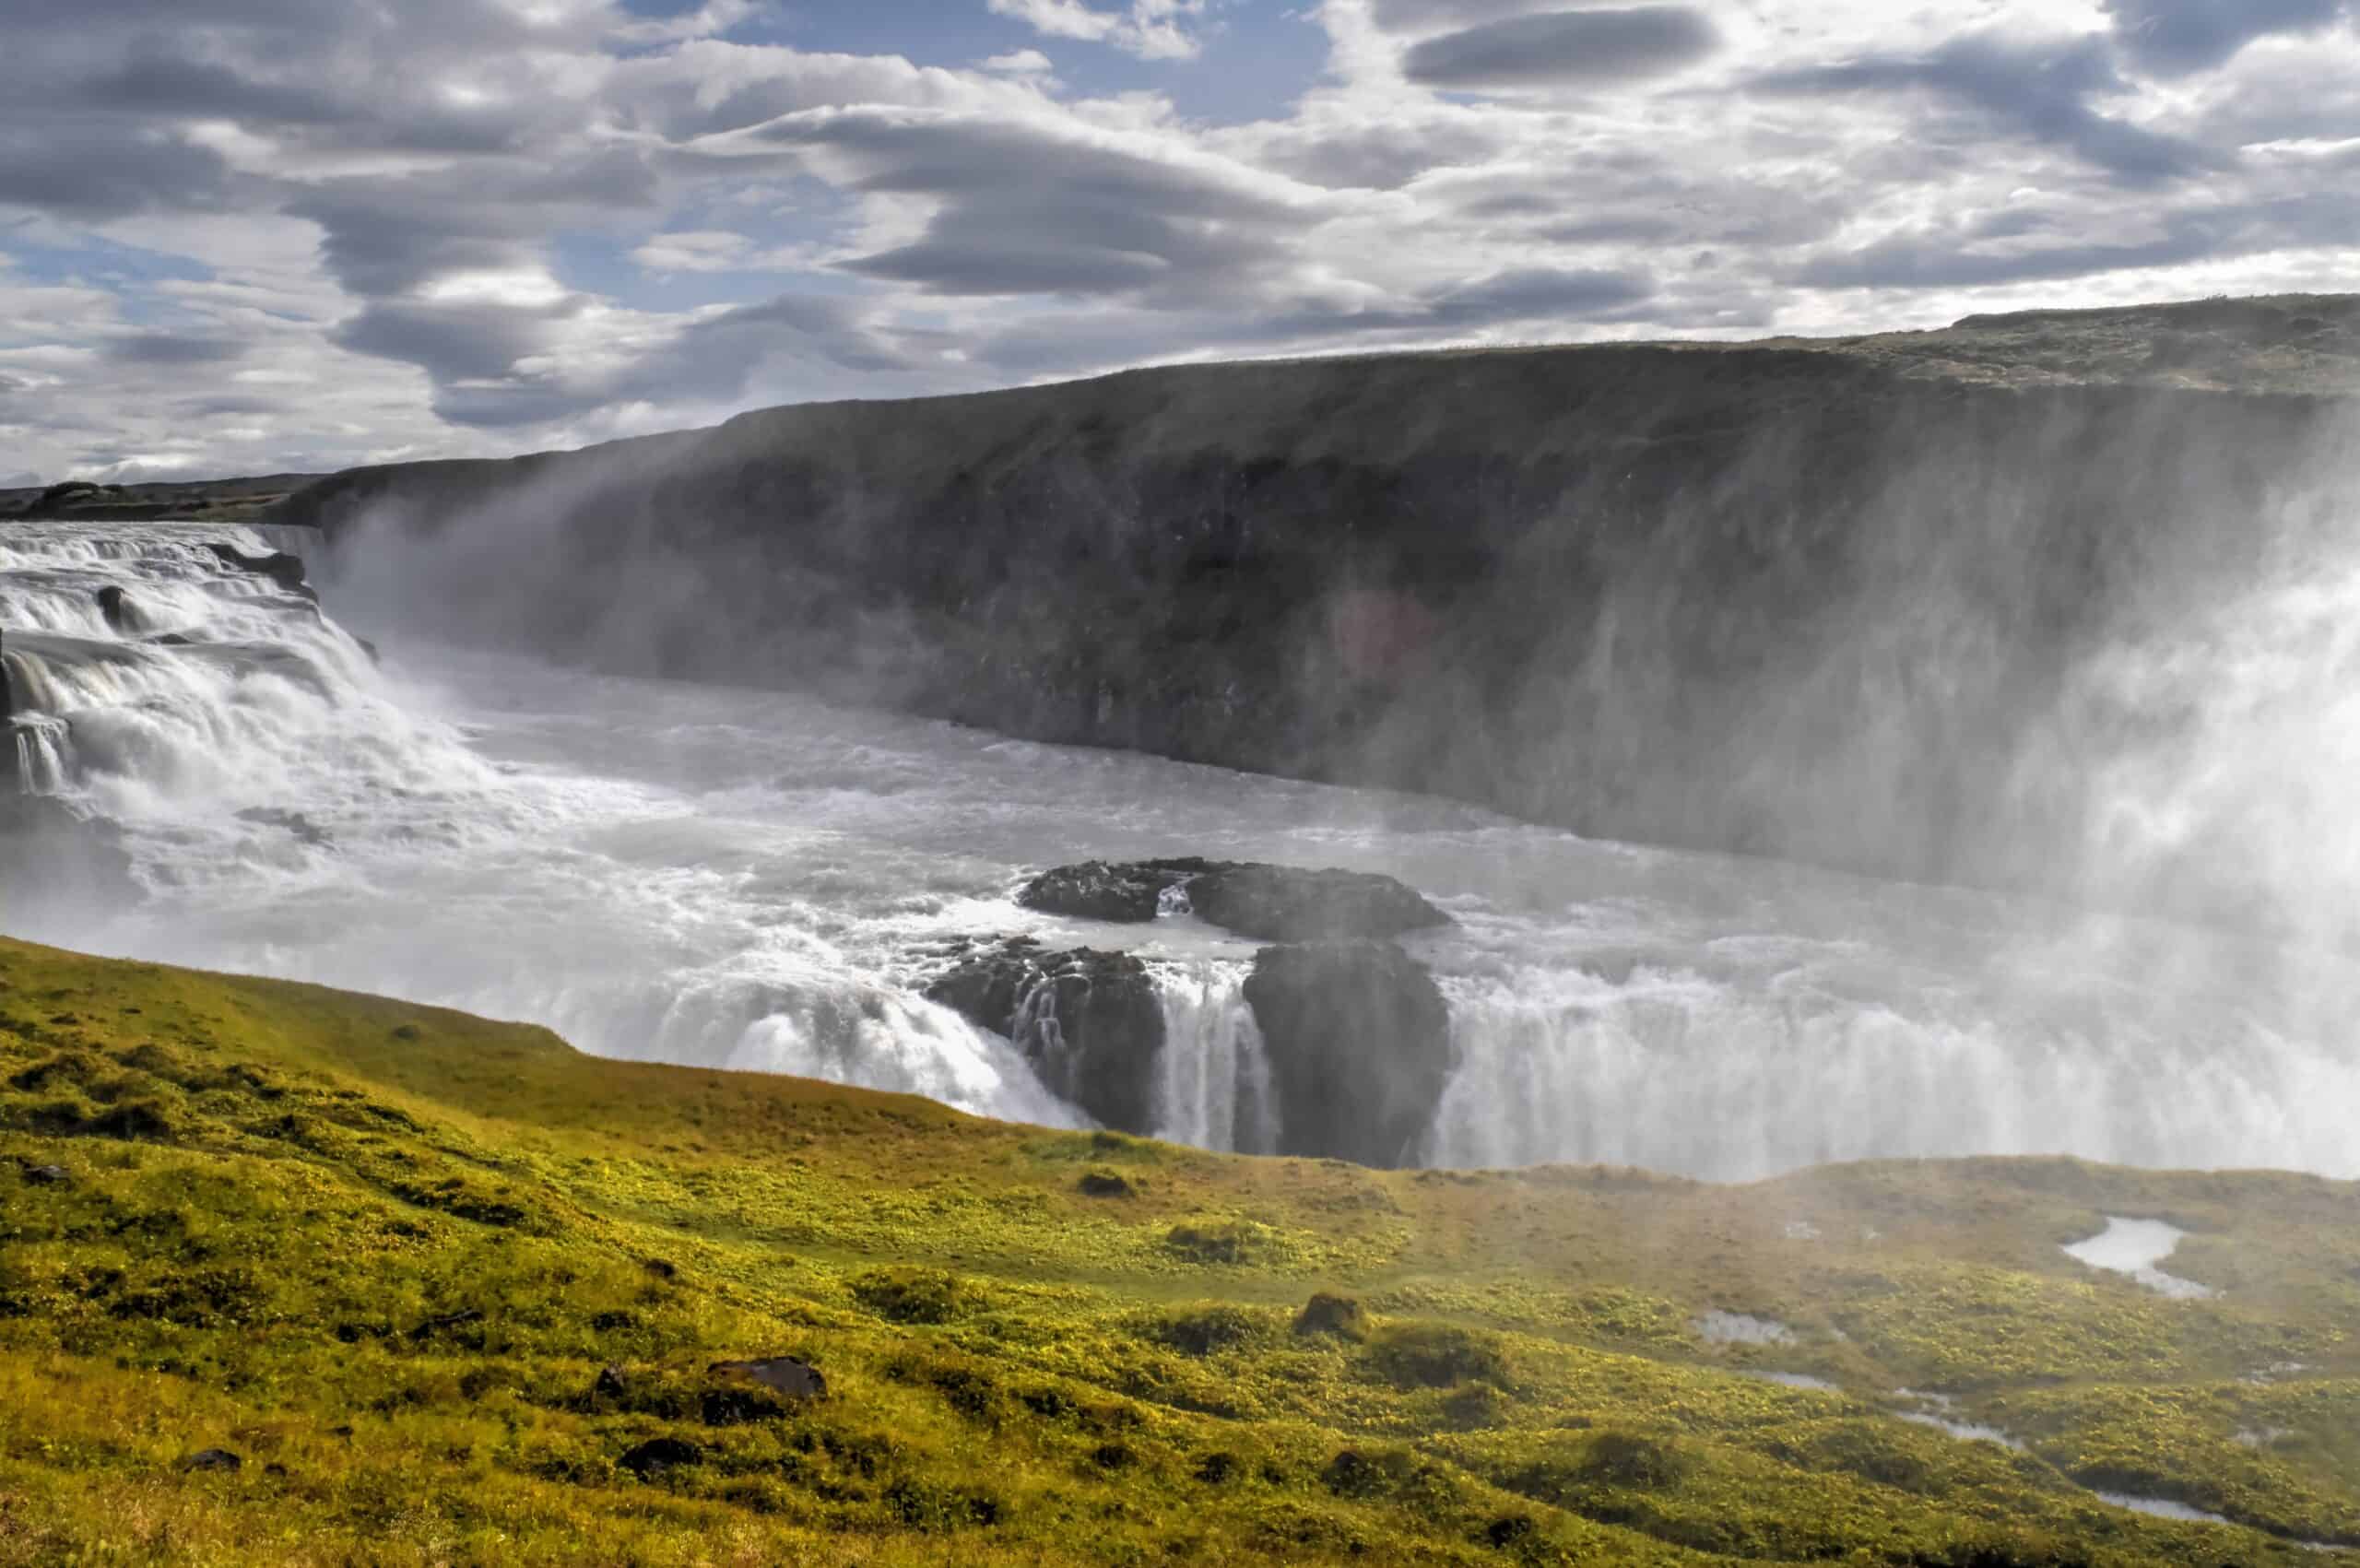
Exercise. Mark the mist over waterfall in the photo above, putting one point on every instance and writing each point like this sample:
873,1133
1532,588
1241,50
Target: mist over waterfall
750,879
286,806
2008,741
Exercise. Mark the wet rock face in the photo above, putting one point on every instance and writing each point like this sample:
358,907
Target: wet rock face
1129,892
281,568
115,603
1284,903
1359,1042
1090,1023
1270,903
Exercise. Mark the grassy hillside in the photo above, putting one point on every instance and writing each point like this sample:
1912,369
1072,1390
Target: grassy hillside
382,1253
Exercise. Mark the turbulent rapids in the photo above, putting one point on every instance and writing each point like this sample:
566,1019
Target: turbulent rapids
727,876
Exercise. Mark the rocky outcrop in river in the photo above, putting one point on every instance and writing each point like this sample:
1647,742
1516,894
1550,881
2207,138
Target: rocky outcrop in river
1359,1042
1090,1023
1354,1030
1273,903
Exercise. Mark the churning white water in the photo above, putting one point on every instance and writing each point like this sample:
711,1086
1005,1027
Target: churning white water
749,879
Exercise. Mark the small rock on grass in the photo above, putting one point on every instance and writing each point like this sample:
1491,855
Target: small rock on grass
659,1454
780,1374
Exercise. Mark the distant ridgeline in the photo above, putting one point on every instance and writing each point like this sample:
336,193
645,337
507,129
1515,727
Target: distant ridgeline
1862,602
205,500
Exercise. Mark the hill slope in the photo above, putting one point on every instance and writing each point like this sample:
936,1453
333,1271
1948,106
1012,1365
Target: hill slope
381,1254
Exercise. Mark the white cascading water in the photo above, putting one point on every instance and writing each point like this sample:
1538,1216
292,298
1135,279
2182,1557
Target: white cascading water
1212,1083
754,879
286,809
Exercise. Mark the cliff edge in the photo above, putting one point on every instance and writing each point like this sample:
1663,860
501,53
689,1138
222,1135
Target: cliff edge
1832,601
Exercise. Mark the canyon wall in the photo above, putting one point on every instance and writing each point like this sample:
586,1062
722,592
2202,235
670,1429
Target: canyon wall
1837,602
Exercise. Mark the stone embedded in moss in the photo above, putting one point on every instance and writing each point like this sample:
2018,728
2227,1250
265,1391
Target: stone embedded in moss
653,1458
1100,1182
1434,1355
1326,1312
1209,1329
1216,1241
911,1296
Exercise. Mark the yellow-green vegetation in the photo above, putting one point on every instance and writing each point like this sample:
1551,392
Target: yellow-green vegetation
452,1293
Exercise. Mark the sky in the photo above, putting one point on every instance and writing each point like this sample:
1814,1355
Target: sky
254,236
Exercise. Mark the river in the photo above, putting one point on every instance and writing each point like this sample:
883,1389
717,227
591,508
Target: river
754,879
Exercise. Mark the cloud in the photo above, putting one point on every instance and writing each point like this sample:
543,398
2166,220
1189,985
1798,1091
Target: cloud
709,20
1381,155
1536,293
1153,29
803,341
1564,49
1022,62
2010,248
2174,37
90,168
1422,16
295,235
167,348
717,251
2036,89
1040,207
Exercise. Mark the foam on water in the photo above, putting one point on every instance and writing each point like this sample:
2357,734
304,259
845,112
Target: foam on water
726,877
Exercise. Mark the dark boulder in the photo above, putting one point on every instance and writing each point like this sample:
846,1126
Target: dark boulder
281,568
1270,903
115,606
780,1374
1131,892
1287,903
1358,1038
1326,1312
657,1455
212,1459
1090,1023
1100,1182
449,1323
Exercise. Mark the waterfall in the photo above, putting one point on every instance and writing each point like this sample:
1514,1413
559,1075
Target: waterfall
1213,1084
287,807
154,679
1674,1070
723,877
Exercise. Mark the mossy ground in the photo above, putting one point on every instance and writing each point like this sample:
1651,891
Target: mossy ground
382,1253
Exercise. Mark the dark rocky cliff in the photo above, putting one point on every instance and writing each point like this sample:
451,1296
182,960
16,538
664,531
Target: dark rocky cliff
1817,600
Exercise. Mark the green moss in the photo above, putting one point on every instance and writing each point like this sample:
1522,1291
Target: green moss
456,1295
910,1295
1434,1355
